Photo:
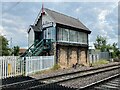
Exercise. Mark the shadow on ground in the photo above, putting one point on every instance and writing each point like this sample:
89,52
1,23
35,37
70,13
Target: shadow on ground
15,79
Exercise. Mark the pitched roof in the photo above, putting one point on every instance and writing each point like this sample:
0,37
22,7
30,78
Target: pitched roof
66,20
35,28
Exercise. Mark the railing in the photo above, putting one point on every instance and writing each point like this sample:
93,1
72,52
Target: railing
38,63
11,66
38,48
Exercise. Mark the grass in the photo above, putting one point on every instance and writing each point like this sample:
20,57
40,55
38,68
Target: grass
100,62
54,68
43,71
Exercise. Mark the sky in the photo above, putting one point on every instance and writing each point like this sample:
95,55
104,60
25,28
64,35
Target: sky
100,17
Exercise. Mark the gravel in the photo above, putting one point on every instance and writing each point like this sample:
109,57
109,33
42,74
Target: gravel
64,71
89,79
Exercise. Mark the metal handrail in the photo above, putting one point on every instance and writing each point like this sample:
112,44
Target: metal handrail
36,47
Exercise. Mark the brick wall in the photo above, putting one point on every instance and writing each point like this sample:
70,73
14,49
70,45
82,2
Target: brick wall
69,55
72,56
83,59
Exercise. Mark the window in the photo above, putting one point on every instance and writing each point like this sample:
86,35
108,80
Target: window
49,33
60,34
79,37
76,36
71,36
65,34
53,34
83,38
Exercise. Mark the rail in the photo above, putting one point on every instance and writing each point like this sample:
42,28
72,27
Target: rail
98,82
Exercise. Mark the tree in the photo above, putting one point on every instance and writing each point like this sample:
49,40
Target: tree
115,52
15,50
101,43
4,46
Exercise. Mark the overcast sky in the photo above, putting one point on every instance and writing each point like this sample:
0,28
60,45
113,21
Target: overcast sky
100,18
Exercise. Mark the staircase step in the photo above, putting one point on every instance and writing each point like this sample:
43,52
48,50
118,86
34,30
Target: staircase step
39,47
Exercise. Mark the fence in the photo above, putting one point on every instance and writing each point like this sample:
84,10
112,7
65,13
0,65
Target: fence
36,63
97,56
10,66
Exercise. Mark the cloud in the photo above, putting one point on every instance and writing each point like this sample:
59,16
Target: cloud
2,31
100,18
77,10
14,27
102,15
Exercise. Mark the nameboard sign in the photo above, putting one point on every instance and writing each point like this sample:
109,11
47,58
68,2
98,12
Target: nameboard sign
47,24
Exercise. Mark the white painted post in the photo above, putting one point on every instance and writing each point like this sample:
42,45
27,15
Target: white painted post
26,65
11,66
15,67
41,63
1,67
6,66
33,62
20,66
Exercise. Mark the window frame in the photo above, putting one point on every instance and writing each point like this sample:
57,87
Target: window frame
82,35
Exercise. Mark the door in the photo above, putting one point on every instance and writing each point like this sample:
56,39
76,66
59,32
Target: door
38,37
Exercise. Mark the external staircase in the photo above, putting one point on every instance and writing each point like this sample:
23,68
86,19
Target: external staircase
38,48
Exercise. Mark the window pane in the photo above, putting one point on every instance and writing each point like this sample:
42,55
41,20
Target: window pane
53,33
73,36
85,38
82,37
79,37
49,33
65,34
59,33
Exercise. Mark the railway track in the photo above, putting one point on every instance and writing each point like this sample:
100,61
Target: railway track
54,81
109,83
